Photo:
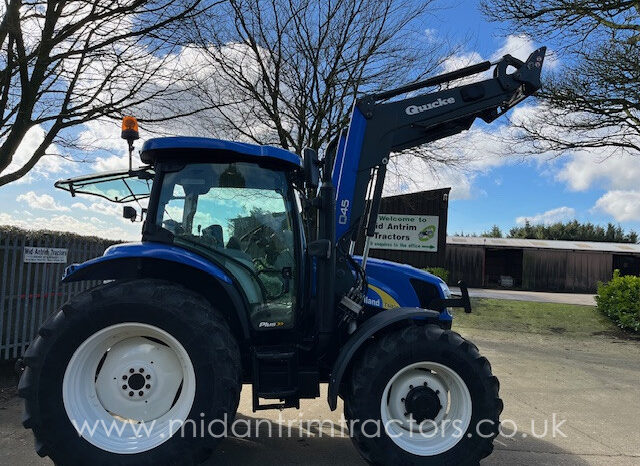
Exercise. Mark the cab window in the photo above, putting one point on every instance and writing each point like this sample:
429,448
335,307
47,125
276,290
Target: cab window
240,214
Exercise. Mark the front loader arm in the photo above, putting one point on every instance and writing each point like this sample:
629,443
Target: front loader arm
379,127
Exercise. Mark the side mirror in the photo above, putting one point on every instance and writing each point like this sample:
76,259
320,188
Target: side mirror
129,212
311,169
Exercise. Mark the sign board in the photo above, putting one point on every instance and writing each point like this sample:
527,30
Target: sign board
45,255
406,232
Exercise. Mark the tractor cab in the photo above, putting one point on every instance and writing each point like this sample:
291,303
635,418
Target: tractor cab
231,203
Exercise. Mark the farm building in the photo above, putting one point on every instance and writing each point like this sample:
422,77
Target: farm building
540,265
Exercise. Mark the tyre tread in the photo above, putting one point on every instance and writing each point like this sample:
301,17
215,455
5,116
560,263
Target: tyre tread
172,297
384,349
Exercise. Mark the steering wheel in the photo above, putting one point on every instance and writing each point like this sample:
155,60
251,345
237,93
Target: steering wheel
247,239
261,265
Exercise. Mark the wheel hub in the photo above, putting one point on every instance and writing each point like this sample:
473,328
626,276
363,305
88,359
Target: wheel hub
425,391
137,383
139,379
422,403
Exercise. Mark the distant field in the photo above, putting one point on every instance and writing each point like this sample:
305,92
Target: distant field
533,317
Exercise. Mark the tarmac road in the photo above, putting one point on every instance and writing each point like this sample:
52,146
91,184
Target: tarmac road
592,384
536,296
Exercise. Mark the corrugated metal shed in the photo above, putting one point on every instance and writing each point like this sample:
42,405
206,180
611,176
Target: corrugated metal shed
620,248
542,265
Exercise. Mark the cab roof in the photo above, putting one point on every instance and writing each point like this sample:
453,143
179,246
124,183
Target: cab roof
211,149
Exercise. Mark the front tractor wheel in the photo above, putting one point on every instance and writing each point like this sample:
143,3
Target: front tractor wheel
127,373
422,396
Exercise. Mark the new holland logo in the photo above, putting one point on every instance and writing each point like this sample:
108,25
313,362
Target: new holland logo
415,109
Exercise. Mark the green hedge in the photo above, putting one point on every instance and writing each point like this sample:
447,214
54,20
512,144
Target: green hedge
439,272
7,231
619,299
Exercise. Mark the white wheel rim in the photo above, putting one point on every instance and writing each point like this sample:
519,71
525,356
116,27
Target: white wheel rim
431,436
103,395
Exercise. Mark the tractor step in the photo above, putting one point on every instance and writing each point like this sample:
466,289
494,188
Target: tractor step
275,376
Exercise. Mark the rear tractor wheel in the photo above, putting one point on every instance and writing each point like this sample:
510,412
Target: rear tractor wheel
126,372
422,396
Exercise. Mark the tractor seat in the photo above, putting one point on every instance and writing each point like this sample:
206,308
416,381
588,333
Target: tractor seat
213,233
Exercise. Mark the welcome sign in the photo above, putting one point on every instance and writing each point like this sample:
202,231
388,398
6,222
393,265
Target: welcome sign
406,232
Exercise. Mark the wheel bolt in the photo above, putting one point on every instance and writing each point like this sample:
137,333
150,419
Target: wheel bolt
140,393
147,386
410,387
425,384
141,370
148,377
402,399
437,392
130,393
124,377
124,387
131,371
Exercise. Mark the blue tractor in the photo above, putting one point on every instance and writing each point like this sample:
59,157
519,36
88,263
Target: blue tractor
246,275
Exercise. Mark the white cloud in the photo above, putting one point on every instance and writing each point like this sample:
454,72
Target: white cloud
609,168
550,216
106,208
457,61
520,46
48,164
431,34
466,156
461,60
593,167
42,202
621,205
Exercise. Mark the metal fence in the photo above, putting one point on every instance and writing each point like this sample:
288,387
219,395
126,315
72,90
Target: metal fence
31,291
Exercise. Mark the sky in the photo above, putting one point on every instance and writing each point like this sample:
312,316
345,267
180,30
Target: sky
493,183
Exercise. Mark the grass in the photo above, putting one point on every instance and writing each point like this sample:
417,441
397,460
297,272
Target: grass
533,317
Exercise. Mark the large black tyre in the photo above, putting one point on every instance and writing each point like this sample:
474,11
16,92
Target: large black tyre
186,316
386,357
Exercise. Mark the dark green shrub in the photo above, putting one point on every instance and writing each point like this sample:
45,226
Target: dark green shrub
439,272
619,299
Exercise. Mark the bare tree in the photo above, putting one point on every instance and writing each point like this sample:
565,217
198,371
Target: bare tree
287,71
594,102
65,63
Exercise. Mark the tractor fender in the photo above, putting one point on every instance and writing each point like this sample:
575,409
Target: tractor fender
154,260
380,322
146,250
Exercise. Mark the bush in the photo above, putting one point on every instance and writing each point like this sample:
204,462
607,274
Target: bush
439,272
619,299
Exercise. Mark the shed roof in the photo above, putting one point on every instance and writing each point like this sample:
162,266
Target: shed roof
619,248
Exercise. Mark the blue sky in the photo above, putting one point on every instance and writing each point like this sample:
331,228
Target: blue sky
500,188
558,187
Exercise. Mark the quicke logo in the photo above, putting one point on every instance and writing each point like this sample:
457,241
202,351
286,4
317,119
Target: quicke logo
415,109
